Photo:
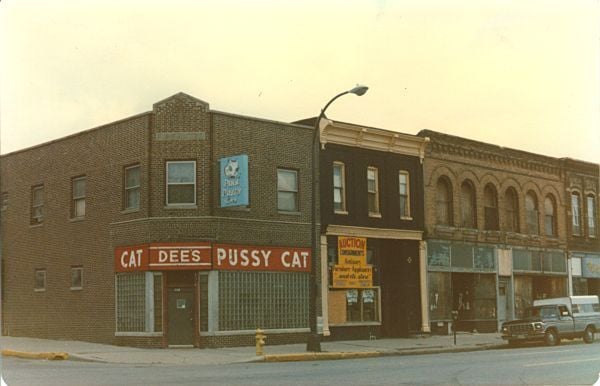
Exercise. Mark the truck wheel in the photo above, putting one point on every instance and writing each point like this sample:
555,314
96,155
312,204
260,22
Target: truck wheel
588,335
551,338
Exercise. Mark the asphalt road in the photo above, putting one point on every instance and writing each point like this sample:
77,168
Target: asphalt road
569,364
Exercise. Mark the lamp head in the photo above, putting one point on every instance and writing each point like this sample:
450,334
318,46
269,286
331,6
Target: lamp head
359,90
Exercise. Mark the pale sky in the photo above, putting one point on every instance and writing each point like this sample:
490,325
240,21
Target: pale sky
521,74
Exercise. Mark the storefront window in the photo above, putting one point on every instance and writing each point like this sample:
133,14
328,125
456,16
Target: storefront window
462,256
139,306
438,254
361,305
440,298
268,300
484,258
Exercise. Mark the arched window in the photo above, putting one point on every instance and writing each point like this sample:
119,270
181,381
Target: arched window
511,204
576,213
468,205
591,215
531,213
490,204
444,201
550,215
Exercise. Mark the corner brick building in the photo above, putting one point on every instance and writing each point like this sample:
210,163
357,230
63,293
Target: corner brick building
178,226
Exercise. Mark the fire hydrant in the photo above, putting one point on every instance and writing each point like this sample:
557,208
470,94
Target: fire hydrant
260,341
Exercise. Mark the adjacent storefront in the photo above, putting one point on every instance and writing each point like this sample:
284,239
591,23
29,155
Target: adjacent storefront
585,268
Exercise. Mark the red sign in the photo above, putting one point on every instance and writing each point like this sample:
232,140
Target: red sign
253,258
179,256
163,256
133,258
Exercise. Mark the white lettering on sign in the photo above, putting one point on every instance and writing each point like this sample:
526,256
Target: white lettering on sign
297,260
179,256
243,257
131,258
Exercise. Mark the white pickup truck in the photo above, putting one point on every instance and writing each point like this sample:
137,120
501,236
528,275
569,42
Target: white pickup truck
551,320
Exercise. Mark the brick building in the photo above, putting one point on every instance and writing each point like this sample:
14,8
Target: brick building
178,226
582,187
372,223
496,231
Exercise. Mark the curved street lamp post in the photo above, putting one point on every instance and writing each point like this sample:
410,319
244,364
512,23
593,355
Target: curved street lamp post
314,339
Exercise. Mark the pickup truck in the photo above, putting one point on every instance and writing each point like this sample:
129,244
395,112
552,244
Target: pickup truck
550,320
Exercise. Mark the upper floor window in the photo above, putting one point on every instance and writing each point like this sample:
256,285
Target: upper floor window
550,216
373,190
576,213
181,182
404,184
78,197
511,205
4,203
532,213
132,187
39,283
490,203
468,205
591,215
37,204
443,201
76,278
339,187
287,190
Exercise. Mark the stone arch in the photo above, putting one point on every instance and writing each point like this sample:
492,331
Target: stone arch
439,171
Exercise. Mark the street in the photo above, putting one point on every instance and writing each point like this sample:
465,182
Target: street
570,363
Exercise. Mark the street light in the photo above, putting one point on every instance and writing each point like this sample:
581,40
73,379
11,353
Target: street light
314,340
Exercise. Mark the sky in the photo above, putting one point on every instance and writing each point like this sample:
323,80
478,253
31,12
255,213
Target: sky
521,74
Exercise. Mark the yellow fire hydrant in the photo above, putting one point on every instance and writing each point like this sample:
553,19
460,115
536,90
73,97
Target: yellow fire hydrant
260,341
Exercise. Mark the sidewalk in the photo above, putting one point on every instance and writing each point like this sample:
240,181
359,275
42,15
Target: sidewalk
29,347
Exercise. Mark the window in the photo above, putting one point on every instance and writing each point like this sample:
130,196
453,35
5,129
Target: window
468,205
550,216
132,187
591,215
490,204
444,202
511,204
287,190
373,190
403,180
139,302
4,203
339,187
531,213
39,280
37,204
576,213
78,200
76,278
181,182
362,305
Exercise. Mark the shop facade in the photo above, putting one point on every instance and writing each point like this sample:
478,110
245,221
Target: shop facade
181,226
371,232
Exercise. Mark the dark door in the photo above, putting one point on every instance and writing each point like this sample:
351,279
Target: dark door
181,316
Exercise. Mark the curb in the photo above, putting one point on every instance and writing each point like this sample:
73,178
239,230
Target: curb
320,356
53,356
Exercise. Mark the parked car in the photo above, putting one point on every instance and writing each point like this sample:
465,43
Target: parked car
550,320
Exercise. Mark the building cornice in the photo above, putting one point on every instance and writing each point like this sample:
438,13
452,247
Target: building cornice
347,134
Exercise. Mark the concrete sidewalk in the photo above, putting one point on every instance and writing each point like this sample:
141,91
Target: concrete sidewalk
31,347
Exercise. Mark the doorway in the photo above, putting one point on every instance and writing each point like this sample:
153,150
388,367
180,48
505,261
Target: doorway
181,316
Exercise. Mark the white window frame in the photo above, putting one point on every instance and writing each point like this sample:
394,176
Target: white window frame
342,188
80,286
591,215
377,211
295,192
407,215
35,279
133,189
75,199
167,184
37,218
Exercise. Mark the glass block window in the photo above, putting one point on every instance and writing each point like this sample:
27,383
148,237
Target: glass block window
137,309
181,182
266,300
287,190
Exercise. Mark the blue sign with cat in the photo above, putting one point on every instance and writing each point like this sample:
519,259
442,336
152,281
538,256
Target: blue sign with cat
234,180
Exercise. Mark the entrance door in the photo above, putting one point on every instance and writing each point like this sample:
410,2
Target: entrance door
181,316
502,304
